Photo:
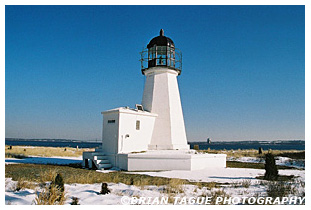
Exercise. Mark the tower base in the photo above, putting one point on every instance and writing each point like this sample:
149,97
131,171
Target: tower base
160,160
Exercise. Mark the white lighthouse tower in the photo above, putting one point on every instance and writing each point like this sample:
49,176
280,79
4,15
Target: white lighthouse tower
152,135
161,64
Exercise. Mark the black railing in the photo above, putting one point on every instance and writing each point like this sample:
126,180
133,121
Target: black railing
153,59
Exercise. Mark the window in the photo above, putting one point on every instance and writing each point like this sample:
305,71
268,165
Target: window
151,53
111,121
137,125
161,55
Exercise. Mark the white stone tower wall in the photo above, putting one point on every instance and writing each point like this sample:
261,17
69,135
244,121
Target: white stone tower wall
161,96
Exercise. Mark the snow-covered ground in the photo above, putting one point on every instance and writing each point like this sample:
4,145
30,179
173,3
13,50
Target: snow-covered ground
281,161
221,175
88,194
231,178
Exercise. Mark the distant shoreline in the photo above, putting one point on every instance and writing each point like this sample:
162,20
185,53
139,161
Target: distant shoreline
190,142
216,145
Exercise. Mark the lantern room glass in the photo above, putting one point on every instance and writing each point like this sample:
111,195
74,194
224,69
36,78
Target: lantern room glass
161,56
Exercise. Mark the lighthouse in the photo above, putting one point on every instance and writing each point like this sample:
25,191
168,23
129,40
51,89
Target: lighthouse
161,64
152,135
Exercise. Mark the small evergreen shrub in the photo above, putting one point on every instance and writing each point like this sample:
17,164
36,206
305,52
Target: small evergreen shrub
270,167
74,201
104,189
58,183
260,150
132,181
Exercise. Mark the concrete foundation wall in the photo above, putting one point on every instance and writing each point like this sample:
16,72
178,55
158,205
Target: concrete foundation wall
152,162
208,161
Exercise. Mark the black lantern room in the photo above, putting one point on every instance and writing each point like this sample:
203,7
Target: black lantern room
161,52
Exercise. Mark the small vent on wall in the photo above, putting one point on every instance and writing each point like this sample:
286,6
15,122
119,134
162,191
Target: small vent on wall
139,107
137,125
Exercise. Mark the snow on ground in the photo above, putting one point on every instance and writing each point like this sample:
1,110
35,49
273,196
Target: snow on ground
22,197
209,175
45,160
89,193
281,161
285,161
221,175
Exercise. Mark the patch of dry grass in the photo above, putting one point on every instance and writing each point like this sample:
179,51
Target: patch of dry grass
246,183
22,184
43,173
175,186
47,175
296,154
214,193
50,195
44,151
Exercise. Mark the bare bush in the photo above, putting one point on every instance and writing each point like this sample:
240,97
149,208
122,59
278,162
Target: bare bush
50,196
278,189
23,184
246,183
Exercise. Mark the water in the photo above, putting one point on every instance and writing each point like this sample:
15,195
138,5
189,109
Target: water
266,145
51,143
220,145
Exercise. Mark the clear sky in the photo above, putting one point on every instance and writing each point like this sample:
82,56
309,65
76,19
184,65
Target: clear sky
243,74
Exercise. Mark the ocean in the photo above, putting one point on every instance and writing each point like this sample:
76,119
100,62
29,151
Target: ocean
217,145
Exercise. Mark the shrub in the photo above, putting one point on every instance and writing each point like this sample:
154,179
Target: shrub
50,196
23,184
175,186
47,175
104,189
74,201
59,182
270,167
278,189
235,184
260,150
246,183
131,181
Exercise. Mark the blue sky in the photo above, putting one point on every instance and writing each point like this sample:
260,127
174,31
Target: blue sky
243,72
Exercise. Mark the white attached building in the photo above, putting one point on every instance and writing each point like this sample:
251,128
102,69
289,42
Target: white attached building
126,130
152,136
